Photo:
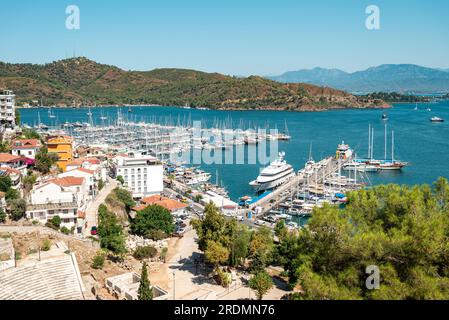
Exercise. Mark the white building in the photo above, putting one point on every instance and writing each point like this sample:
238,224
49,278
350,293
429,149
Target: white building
143,175
7,108
25,147
55,198
87,174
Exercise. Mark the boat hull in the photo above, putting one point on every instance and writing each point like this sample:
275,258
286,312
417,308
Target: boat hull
261,187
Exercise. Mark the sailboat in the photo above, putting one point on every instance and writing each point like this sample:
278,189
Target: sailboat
309,167
103,117
391,164
285,135
89,113
50,114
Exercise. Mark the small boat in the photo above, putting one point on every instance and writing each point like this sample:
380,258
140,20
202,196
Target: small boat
428,109
384,116
436,119
50,114
89,113
130,110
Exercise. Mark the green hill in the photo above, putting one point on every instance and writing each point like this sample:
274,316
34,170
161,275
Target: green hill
82,81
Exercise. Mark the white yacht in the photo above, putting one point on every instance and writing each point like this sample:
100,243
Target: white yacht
277,173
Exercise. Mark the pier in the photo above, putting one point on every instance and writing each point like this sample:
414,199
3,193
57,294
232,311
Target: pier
316,183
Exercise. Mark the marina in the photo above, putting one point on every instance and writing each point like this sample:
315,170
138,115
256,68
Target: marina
412,131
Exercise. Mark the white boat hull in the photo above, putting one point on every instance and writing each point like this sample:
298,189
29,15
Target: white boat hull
260,187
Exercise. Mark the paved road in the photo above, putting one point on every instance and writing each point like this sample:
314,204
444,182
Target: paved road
92,210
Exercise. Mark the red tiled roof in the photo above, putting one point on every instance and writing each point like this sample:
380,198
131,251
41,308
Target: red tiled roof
152,199
10,170
83,170
80,161
68,181
167,203
6,157
25,144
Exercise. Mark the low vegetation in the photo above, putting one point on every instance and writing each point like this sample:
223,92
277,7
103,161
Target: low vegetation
98,260
146,252
46,245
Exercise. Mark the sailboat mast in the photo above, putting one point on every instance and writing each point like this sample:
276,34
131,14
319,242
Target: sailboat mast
372,143
369,141
392,146
385,138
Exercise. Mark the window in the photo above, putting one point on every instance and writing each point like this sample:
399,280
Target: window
30,153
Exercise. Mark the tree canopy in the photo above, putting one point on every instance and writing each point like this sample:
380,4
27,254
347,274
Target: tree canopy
151,219
110,231
402,230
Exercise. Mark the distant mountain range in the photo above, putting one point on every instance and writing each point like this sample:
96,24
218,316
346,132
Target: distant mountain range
403,78
80,81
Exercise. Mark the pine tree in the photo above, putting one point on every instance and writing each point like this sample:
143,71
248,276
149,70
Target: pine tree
145,291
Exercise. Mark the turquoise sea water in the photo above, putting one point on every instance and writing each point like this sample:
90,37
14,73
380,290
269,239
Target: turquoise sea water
422,143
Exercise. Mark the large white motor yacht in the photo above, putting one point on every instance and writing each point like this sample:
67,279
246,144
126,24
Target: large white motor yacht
277,173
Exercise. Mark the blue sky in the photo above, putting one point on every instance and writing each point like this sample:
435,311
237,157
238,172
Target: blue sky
238,37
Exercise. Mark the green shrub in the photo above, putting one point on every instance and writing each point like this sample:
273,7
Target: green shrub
156,235
145,252
35,222
223,278
46,245
65,230
2,216
98,260
51,225
56,221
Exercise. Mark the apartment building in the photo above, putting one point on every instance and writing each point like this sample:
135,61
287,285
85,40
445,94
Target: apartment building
143,174
63,147
7,108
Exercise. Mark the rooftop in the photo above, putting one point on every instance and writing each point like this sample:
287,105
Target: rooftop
169,204
68,181
52,206
6,157
80,161
25,143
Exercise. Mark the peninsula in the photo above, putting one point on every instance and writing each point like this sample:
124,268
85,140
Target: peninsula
81,82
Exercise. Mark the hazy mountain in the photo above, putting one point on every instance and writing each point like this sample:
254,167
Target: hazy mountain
86,81
388,78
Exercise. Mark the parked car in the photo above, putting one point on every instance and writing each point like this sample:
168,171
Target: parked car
94,231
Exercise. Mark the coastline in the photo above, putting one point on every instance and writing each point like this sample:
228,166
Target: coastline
301,109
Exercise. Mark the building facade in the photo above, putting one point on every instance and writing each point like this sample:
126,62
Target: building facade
25,147
7,108
63,147
51,199
143,175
